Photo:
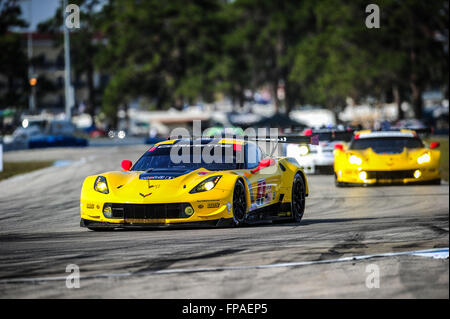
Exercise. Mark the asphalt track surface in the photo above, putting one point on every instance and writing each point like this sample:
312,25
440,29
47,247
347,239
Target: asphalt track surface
40,236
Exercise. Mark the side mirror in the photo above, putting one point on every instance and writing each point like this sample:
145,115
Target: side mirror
126,165
434,145
264,163
339,147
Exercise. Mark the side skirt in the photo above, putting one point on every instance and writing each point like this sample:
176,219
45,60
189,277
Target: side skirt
273,212
209,223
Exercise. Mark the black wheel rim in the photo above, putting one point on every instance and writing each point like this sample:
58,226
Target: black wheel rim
239,203
298,198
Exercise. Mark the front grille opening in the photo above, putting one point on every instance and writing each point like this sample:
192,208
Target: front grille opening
117,212
390,174
149,211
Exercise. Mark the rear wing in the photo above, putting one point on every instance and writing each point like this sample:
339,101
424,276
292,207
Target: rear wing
286,139
332,135
345,136
294,139
289,139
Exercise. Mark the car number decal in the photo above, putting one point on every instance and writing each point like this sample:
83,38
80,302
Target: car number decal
261,192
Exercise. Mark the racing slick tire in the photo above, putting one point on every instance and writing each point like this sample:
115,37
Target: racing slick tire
298,199
91,226
436,182
339,184
239,203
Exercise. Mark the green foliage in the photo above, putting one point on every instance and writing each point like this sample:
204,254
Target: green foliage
179,52
13,61
84,42
162,50
11,169
341,57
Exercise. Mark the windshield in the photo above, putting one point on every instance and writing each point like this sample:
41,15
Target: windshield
190,157
386,145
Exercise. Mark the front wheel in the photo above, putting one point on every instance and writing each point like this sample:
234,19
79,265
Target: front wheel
436,182
338,184
239,203
298,198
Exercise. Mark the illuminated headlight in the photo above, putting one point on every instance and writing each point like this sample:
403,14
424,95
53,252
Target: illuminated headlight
362,175
209,185
425,158
303,150
355,160
206,185
417,173
101,185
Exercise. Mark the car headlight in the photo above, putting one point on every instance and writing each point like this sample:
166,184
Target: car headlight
101,185
355,160
303,150
425,158
417,173
206,185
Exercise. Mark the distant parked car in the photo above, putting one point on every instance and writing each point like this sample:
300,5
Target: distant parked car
21,136
55,134
56,141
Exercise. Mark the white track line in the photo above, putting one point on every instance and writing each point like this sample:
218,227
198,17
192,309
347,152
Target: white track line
440,253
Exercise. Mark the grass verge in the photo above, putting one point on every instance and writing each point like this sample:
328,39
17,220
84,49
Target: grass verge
15,168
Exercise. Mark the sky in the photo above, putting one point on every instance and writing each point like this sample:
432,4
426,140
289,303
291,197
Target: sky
41,10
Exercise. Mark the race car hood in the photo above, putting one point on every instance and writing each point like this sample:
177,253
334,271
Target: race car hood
384,162
155,186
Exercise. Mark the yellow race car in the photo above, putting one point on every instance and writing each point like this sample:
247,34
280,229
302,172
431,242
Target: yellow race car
386,157
204,181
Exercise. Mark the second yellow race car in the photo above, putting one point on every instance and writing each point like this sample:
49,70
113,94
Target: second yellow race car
170,185
386,157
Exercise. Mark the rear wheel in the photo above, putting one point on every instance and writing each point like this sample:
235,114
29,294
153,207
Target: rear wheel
298,198
239,203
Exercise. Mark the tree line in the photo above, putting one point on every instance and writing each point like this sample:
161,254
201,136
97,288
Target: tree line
177,52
